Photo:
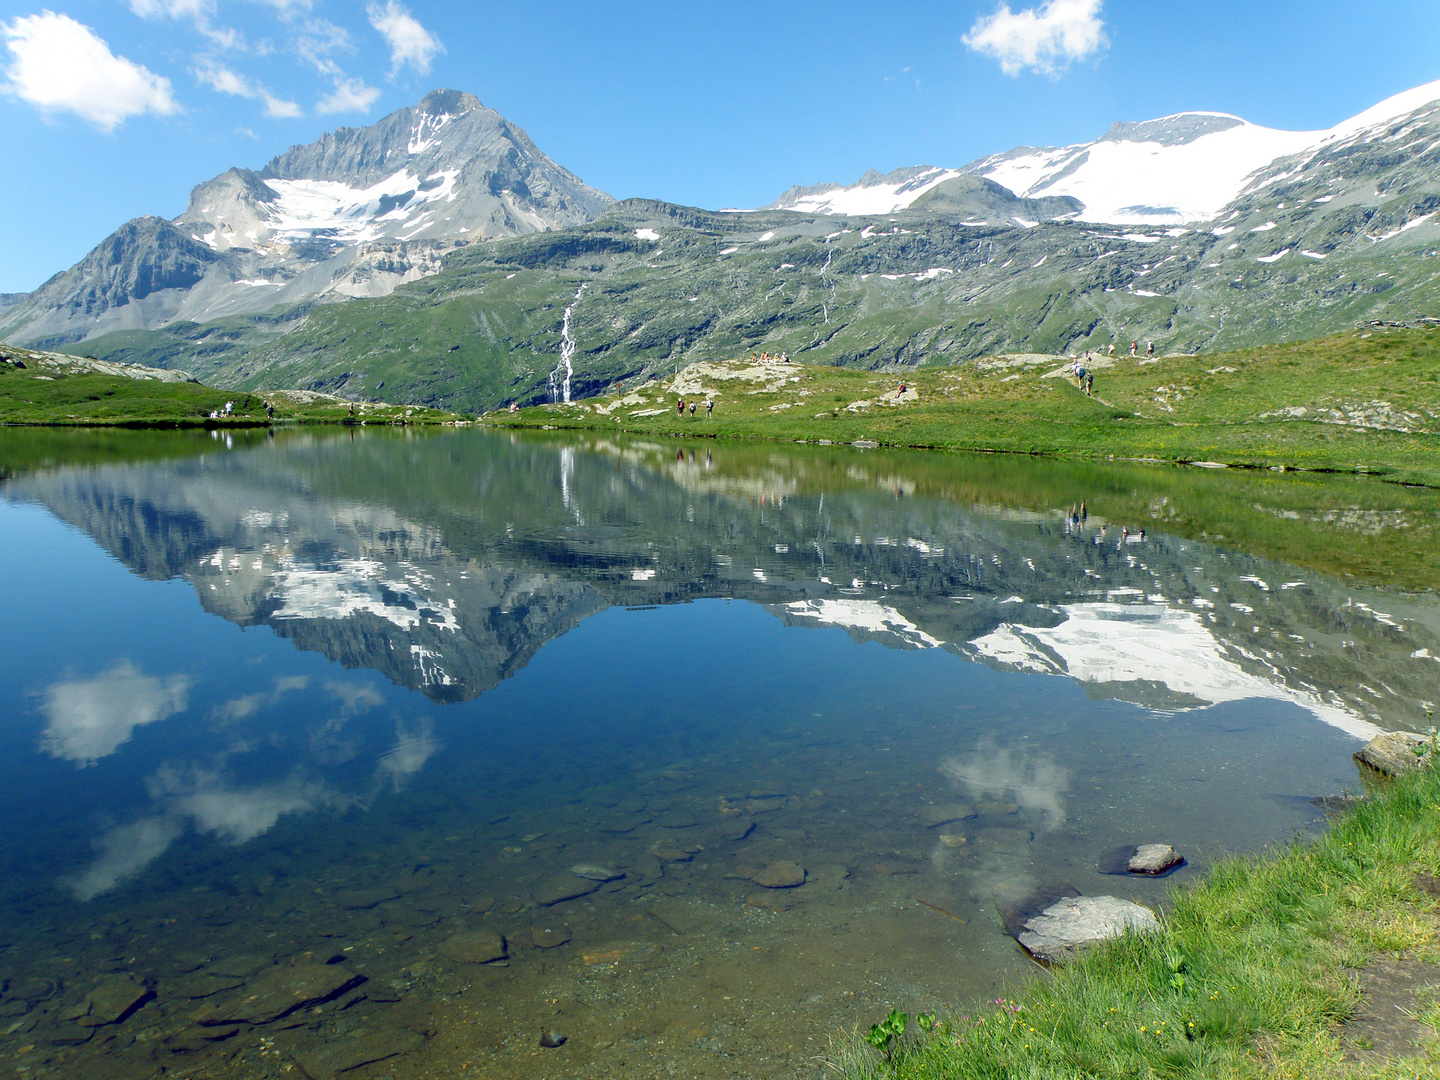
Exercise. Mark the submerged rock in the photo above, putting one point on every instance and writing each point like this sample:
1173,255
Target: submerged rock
474,947
549,937
281,991
932,817
1153,859
597,873
559,889
1394,753
113,1000
781,875
1059,932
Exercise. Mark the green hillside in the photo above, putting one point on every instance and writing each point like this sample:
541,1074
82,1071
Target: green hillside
1366,400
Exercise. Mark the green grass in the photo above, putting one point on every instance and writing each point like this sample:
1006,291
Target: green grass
1248,976
32,396
1336,404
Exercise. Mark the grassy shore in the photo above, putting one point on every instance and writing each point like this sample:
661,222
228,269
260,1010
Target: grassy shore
1367,401
52,390
1253,974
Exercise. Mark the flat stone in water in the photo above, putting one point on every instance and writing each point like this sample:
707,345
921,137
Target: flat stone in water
203,986
113,1000
997,809
945,813
549,937
597,873
670,851
736,828
281,991
1153,859
559,889
781,875
473,947
362,899
336,1056
1059,932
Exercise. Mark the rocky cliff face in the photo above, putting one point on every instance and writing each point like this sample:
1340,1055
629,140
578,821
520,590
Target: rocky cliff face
353,214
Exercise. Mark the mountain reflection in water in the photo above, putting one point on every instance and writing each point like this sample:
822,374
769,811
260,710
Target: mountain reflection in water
445,563
206,812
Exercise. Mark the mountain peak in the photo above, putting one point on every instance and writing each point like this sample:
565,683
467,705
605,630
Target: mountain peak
449,103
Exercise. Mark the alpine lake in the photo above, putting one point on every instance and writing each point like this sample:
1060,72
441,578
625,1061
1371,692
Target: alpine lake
390,754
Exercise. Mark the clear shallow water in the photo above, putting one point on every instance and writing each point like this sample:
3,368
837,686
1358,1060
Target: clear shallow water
367,700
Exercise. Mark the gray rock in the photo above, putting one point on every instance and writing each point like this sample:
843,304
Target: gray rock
363,899
597,873
1153,859
1059,932
1393,754
551,1039
473,947
934,816
559,889
549,937
736,828
113,1000
781,875
337,1056
282,991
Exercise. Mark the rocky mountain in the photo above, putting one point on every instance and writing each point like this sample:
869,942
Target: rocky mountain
1176,170
353,214
1341,228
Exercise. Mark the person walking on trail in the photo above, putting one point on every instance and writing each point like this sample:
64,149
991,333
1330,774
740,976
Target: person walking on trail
1110,349
1134,347
692,407
1089,384
1150,349
679,406
709,408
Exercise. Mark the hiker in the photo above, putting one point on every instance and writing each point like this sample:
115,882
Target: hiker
679,406
1089,384
1110,349
1150,349
902,389
709,408
1134,345
692,408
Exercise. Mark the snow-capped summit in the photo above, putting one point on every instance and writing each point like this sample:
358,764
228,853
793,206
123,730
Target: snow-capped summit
354,213
1169,171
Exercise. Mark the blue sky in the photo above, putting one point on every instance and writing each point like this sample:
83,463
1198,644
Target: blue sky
110,109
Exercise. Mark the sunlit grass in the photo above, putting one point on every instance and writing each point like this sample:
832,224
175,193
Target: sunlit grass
1246,978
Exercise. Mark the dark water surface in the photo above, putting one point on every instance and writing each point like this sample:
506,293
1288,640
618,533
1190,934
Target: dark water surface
306,737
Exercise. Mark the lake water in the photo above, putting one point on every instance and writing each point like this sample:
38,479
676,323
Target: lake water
306,735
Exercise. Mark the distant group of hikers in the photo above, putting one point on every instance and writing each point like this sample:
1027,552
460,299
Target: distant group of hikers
1085,378
767,358
680,407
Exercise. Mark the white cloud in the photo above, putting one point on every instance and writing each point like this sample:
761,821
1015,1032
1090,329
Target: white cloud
287,9
60,65
408,756
354,697
410,43
90,718
123,851
199,12
240,814
1046,39
317,40
349,95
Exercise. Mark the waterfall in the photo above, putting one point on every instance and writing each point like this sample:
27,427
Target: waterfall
567,353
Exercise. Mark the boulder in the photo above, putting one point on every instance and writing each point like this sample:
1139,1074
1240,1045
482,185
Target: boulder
559,889
473,947
1059,932
113,1000
1393,753
281,991
1153,859
781,875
